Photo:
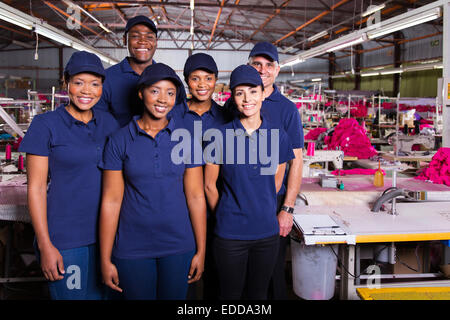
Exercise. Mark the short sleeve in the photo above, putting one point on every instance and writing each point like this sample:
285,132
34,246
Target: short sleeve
294,129
37,139
113,155
286,152
196,156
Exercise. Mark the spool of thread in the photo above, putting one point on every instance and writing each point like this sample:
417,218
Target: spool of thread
310,149
20,163
8,153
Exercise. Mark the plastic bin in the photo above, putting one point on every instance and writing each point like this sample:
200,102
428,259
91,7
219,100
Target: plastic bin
313,270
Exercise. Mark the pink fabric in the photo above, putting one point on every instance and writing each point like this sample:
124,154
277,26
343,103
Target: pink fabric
17,142
314,133
356,171
352,139
438,171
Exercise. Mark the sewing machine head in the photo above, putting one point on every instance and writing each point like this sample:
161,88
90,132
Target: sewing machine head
405,143
334,156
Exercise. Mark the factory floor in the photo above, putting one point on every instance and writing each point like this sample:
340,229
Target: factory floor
23,264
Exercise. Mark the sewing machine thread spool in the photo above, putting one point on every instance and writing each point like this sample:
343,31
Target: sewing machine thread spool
311,148
20,163
8,153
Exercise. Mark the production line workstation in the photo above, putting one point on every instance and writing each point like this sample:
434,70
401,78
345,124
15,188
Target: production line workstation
393,229
391,239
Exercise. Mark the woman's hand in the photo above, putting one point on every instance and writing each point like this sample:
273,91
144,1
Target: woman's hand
111,276
52,263
197,267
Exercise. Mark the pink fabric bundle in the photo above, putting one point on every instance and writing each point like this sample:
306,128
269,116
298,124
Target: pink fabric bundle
314,133
356,171
352,139
360,111
438,171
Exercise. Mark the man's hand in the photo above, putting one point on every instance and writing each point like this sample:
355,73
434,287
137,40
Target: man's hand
285,220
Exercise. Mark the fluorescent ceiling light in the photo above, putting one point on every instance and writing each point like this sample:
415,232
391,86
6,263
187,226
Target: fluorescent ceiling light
297,81
22,44
311,53
292,62
318,35
405,23
373,9
337,76
287,49
316,79
15,20
52,35
369,74
391,71
41,27
356,41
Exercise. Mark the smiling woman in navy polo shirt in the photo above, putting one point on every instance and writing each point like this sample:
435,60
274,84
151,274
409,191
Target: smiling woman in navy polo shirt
153,216
66,145
246,243
200,113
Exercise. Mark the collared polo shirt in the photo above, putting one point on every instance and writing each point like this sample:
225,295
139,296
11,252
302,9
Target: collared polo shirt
154,217
213,118
74,150
284,114
120,94
247,209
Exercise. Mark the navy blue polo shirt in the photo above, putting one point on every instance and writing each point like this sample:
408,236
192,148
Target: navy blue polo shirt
247,208
215,117
74,150
120,94
283,113
154,218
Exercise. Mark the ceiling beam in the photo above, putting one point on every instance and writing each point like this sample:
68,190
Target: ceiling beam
52,6
318,17
215,23
277,11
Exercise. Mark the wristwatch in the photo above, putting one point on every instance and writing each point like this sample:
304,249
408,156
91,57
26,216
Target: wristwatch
288,209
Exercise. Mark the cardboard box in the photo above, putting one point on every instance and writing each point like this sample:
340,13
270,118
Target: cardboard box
406,253
219,87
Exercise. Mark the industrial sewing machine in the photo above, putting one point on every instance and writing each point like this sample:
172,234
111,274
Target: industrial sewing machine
334,156
405,143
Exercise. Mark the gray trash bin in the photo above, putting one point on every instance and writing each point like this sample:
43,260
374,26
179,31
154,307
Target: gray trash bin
313,270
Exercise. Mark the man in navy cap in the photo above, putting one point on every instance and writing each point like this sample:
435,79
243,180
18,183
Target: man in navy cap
283,113
119,90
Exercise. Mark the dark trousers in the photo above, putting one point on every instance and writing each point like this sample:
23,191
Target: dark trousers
245,264
278,287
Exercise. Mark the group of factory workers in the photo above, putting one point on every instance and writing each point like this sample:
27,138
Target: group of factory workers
115,217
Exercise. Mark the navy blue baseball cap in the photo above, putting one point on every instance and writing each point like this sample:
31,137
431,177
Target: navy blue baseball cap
199,61
141,20
83,61
266,49
156,72
245,74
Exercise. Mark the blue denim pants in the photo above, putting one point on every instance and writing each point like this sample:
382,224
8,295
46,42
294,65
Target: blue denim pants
154,278
82,278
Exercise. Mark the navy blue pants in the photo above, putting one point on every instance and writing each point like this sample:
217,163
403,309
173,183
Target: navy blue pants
82,278
245,264
154,278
